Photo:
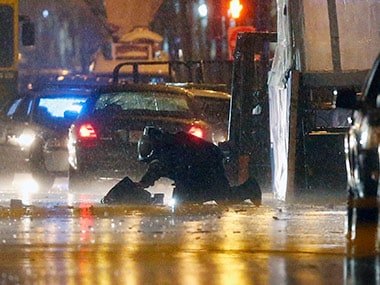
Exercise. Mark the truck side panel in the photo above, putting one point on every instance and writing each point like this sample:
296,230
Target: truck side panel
340,36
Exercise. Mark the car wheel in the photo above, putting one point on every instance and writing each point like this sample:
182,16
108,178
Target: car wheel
45,180
363,208
350,213
43,177
364,229
78,180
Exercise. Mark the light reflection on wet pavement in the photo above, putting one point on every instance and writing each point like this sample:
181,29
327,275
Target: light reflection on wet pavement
70,238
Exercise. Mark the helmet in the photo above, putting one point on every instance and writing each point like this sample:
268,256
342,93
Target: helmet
145,148
145,145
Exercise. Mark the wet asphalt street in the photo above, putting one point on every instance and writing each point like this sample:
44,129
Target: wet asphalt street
70,238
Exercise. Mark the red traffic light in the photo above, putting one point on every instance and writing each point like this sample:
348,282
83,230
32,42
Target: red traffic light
235,9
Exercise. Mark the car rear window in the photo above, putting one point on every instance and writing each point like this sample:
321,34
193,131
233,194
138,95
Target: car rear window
58,106
214,110
51,110
143,100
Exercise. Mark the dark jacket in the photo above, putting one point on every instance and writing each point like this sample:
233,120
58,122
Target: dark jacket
195,165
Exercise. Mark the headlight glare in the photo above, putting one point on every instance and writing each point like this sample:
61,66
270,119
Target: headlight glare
26,139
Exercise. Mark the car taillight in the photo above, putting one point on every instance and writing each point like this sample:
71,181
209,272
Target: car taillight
87,131
196,131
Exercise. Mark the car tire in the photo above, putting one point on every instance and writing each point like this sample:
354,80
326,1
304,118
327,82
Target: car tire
364,230
362,204
45,180
78,180
43,177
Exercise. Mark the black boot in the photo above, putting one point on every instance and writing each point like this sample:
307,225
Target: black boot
250,189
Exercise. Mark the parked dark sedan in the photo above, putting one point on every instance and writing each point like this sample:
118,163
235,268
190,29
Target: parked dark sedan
33,135
103,139
215,108
362,144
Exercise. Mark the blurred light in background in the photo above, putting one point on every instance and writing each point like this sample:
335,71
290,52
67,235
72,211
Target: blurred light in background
45,13
202,10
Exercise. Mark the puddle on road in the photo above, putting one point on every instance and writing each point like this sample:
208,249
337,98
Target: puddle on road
70,238
75,239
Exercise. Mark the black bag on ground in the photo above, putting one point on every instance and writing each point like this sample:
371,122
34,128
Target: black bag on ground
127,192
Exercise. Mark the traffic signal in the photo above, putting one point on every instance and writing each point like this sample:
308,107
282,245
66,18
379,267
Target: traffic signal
235,9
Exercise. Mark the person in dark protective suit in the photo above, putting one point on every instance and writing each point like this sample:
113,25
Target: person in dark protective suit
195,166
